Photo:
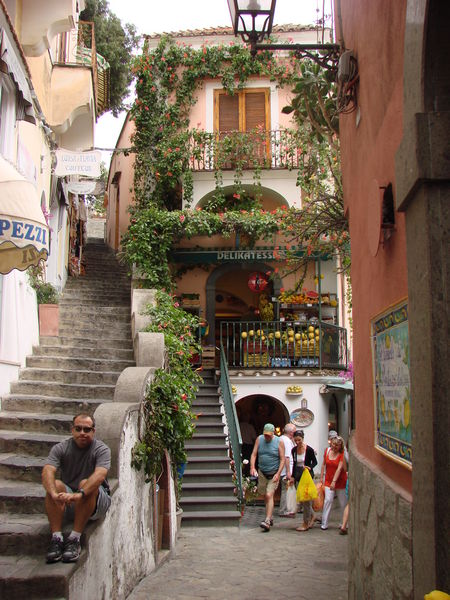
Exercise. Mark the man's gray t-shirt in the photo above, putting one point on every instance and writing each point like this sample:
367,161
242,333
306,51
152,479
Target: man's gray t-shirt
77,463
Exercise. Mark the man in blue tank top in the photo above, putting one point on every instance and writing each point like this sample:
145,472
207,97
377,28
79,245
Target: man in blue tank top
270,452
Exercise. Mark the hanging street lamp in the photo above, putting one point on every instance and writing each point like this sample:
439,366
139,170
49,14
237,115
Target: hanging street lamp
253,20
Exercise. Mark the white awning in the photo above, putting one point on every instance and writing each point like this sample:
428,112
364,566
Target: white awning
23,230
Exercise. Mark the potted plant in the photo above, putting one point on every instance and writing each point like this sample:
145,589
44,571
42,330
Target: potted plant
47,299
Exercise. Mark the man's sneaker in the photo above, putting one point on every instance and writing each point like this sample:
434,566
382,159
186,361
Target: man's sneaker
55,550
265,525
72,549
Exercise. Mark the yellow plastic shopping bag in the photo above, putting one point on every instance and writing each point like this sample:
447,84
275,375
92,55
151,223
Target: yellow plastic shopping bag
306,489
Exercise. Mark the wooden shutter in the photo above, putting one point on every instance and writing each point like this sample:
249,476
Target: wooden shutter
228,112
255,110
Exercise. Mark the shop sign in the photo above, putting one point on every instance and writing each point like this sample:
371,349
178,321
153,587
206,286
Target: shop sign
77,163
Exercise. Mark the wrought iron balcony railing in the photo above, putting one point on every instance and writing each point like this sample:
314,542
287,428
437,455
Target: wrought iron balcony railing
257,149
77,47
283,345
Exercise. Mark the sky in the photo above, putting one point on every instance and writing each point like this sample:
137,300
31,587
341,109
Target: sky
156,16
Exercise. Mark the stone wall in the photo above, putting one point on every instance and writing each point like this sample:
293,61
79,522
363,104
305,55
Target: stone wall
122,550
380,536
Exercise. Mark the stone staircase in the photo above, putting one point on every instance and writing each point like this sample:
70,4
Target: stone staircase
207,495
68,374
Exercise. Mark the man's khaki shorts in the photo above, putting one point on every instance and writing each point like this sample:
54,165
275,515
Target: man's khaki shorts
265,485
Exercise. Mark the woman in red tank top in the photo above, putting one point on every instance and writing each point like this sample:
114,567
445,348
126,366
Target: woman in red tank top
334,477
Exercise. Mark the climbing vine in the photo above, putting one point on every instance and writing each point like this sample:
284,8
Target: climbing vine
169,420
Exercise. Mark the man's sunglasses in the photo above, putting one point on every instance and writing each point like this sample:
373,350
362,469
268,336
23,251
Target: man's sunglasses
80,429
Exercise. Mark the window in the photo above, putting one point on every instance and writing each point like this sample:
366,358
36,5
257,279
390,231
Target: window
247,110
7,116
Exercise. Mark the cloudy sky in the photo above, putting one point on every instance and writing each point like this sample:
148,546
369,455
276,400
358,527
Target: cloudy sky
157,16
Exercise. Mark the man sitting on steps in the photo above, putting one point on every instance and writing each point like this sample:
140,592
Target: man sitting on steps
82,492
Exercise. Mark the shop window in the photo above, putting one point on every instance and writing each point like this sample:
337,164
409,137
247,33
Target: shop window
245,111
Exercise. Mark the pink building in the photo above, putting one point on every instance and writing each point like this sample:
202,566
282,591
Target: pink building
395,160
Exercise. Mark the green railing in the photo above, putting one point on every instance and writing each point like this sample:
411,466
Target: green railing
234,432
283,344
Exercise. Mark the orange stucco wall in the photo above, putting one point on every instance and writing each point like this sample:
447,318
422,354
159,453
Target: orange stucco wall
375,32
125,166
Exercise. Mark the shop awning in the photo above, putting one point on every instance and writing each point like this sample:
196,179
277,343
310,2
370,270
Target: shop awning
23,230
346,386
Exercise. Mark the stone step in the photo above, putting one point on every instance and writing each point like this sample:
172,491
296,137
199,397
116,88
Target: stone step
207,489
99,286
69,376
64,390
31,578
217,475
21,497
207,503
17,467
208,428
208,463
113,331
205,450
209,402
51,404
115,293
201,439
97,301
83,353
28,443
98,318
88,342
93,311
24,534
27,421
223,518
92,364
209,417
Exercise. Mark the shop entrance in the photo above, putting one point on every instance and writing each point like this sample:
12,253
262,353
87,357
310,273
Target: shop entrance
253,413
229,298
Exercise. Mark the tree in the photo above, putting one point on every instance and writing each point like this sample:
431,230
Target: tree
115,43
321,224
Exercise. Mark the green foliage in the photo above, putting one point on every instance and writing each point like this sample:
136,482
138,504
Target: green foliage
169,421
115,43
153,233
321,222
167,79
46,293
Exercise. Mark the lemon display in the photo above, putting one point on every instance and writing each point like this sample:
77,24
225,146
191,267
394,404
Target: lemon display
251,333
298,336
294,389
277,335
243,335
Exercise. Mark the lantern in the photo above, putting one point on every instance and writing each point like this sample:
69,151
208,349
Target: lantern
257,282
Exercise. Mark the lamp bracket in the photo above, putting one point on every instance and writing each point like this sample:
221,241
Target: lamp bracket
325,55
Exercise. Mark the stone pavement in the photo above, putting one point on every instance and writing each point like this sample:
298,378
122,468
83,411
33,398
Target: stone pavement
245,563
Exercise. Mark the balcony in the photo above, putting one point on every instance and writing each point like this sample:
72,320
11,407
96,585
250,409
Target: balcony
283,345
77,48
257,149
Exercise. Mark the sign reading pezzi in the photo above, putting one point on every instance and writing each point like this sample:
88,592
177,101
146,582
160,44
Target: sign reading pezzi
20,230
77,163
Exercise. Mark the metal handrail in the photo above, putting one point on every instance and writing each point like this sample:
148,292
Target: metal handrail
274,149
234,432
283,344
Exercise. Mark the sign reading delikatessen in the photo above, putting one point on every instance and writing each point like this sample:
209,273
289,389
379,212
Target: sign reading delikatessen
77,163
223,255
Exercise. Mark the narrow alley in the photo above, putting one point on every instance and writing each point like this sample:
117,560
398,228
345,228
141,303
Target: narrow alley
245,563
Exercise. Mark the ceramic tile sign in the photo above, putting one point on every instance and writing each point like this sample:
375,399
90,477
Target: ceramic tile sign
392,393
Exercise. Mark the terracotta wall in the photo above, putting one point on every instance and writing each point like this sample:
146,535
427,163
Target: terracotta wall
375,32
